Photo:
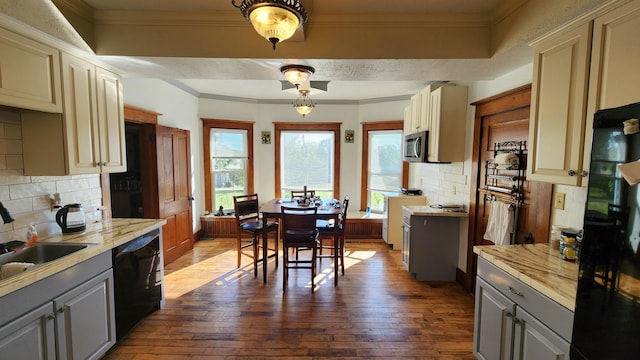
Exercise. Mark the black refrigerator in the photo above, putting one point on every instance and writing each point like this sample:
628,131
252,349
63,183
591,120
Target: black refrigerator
607,315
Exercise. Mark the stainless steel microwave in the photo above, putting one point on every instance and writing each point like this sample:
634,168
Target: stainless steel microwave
415,147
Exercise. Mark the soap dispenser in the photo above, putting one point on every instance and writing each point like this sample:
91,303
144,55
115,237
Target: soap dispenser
32,235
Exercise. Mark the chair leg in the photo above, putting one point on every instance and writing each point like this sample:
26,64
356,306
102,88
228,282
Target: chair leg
256,251
285,270
239,247
314,254
341,250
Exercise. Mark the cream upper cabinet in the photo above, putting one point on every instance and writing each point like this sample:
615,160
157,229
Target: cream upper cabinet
447,119
91,129
420,110
578,71
615,76
407,121
29,74
558,108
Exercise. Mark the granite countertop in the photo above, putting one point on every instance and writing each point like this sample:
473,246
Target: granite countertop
538,266
426,210
100,237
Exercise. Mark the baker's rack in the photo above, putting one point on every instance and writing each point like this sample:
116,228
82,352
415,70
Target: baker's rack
505,183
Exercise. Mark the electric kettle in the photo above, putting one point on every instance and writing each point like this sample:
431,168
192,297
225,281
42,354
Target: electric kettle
71,219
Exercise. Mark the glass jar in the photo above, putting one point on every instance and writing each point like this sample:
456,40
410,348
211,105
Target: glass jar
554,237
567,236
569,251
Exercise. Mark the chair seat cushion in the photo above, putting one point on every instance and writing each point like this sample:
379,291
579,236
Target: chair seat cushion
256,226
325,226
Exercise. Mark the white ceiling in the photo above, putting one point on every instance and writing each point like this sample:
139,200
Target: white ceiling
350,79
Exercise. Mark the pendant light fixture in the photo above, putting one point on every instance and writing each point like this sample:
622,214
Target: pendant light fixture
297,74
304,104
275,20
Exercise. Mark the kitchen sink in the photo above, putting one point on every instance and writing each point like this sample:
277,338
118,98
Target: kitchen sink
41,253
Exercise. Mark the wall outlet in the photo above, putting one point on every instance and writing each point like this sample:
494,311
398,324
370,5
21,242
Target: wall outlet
558,200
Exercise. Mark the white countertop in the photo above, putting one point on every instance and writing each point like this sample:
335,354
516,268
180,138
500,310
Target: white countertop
426,210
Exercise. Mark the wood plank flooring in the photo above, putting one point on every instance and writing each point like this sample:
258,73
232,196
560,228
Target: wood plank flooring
378,311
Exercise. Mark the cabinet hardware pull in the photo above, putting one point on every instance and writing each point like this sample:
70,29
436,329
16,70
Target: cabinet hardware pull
51,317
585,173
514,291
516,320
572,173
509,314
61,310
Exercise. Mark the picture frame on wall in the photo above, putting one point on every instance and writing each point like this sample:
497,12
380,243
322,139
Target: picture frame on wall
349,136
266,137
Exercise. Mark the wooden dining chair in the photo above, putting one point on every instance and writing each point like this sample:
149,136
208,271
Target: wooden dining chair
300,193
249,223
299,232
326,238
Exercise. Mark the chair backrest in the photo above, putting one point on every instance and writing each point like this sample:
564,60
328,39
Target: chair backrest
300,193
298,222
246,207
345,207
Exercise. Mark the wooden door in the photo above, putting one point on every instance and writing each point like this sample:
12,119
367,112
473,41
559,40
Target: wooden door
174,190
165,174
504,117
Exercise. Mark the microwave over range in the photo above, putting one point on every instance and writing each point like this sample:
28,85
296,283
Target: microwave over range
415,147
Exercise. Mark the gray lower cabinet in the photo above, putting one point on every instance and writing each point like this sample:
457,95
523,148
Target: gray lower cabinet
514,321
69,315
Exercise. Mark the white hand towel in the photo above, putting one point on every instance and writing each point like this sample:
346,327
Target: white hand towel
500,224
13,268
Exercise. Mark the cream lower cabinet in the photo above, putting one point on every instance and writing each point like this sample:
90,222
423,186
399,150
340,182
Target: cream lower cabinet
514,321
577,71
88,138
29,74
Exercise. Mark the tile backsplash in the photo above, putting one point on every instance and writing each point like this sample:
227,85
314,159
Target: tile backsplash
28,197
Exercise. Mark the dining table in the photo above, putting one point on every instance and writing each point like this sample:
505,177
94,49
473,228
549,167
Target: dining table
326,211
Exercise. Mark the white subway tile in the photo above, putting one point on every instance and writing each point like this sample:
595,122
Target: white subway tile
31,190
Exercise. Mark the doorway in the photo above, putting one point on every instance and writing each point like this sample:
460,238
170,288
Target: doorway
498,119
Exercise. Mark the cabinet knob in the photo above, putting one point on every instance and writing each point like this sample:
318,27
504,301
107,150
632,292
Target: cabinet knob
516,320
572,173
51,316
585,173
508,314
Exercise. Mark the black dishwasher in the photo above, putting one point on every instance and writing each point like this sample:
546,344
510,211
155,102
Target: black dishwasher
137,269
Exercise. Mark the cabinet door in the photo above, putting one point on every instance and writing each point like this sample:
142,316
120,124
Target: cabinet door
111,121
558,107
415,113
80,115
535,341
447,122
493,324
614,77
407,121
30,337
29,74
86,319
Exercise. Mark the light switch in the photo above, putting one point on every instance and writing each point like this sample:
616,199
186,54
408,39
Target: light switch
558,200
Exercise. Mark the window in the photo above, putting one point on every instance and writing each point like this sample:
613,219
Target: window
384,172
228,162
307,154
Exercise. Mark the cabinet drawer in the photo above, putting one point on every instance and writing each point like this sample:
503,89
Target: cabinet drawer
549,312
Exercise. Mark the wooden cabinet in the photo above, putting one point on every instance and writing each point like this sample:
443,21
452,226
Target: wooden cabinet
29,74
88,138
85,322
31,336
69,315
513,321
586,67
447,122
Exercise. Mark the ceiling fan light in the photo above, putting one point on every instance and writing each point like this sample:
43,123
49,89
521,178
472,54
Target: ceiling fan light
297,74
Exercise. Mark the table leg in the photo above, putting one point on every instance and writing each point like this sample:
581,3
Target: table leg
265,250
336,245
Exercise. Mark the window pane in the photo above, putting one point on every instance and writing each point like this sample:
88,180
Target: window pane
385,166
307,159
228,165
228,143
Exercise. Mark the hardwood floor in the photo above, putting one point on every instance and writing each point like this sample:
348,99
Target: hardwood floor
215,311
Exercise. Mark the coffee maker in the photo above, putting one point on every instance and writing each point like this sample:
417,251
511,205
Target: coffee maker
71,219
